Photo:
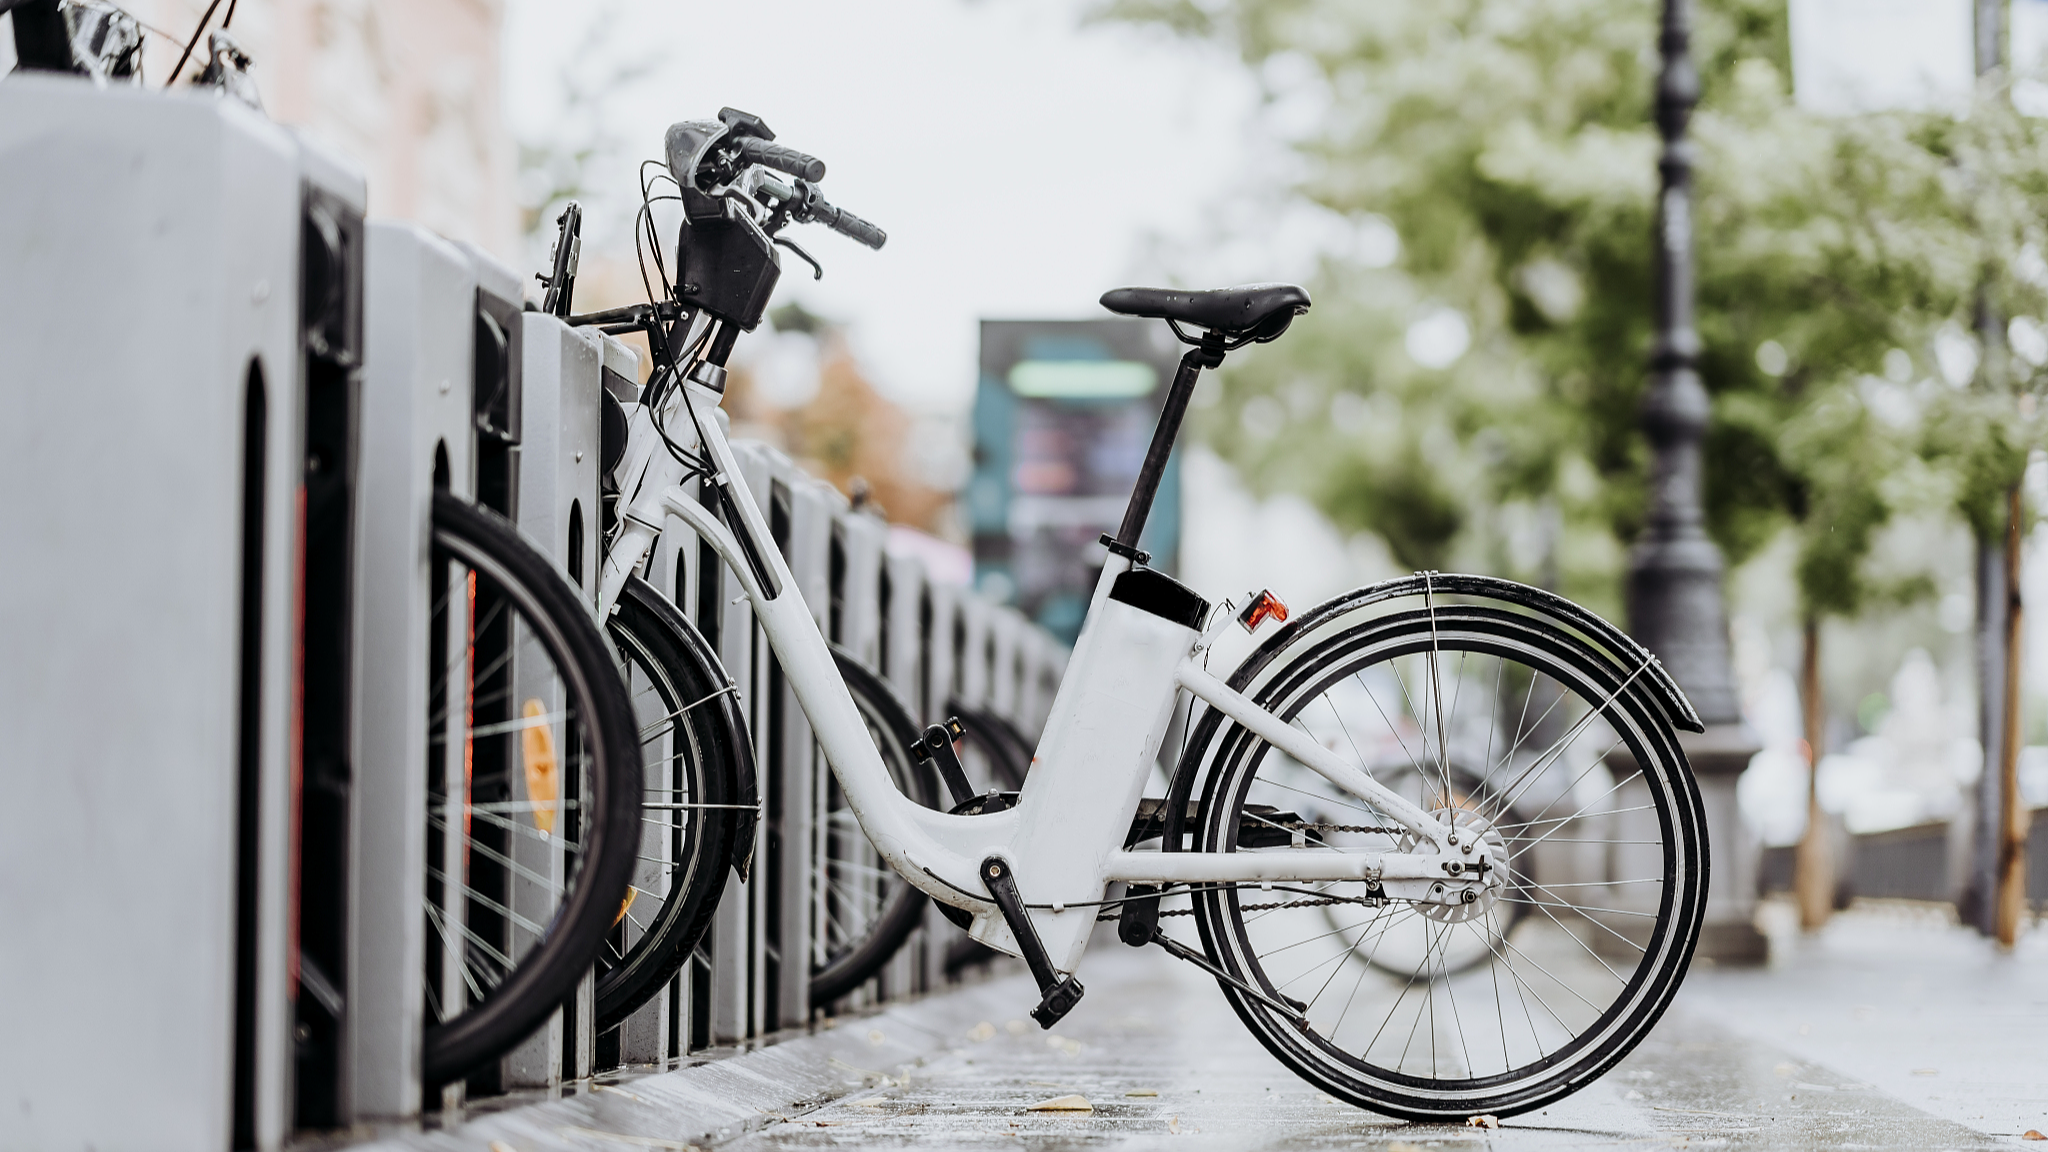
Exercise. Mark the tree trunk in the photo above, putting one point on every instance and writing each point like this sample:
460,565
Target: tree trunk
2012,841
1987,814
1813,877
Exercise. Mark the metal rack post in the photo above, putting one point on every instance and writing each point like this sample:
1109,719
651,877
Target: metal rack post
183,607
416,433
561,376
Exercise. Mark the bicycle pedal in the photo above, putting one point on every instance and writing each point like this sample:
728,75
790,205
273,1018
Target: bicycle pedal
1059,1000
936,745
1058,994
937,736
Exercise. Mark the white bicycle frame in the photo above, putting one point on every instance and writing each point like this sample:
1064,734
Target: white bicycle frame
1064,838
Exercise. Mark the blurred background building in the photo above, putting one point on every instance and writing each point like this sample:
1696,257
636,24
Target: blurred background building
1063,414
411,89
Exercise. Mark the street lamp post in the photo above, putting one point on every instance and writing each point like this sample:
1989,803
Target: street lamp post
1674,581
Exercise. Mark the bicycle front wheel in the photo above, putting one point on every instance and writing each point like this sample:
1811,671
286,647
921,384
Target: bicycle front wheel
693,806
532,791
1433,1011
861,910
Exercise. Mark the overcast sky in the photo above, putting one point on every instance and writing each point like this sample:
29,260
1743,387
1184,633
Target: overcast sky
1021,162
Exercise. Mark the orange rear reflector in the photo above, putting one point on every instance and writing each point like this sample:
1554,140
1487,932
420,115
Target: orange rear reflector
1265,606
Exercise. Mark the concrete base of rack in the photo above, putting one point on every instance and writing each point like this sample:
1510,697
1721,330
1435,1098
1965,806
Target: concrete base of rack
727,1093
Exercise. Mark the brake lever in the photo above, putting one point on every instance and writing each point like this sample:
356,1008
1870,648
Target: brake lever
817,269
743,207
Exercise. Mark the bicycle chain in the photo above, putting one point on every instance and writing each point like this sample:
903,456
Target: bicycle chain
1291,826
1319,826
1118,915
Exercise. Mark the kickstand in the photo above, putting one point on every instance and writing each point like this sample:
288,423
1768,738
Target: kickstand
1059,993
1291,1009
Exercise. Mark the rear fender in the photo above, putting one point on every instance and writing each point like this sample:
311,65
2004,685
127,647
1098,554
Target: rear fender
1621,647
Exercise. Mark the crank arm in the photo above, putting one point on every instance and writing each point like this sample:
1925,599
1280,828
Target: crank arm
1061,992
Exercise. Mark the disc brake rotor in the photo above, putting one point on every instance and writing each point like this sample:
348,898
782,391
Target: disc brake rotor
1475,828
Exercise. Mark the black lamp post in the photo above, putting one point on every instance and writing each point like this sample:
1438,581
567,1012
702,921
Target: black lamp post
1674,582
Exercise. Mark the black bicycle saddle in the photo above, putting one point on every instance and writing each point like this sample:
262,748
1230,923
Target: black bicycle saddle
1256,311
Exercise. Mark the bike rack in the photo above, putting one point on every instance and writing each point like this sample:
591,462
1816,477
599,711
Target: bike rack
902,597
429,372
663,1031
562,383
733,995
801,512
417,433
155,469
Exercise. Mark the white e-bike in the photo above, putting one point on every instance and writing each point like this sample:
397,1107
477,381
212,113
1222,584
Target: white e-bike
1442,847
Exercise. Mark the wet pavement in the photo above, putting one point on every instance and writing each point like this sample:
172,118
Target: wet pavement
1898,997
1162,1062
1892,1029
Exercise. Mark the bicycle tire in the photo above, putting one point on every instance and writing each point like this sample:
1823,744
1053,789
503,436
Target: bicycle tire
1309,666
538,981
848,963
697,728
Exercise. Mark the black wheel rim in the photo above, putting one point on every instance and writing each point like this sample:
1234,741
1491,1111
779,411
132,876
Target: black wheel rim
527,845
1639,991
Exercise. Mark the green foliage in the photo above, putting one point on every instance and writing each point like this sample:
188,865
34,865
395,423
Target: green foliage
555,166
1509,143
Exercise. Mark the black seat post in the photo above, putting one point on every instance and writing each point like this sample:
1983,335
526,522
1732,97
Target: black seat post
1208,355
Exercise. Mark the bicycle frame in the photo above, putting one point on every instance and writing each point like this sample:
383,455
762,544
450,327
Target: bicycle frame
1064,839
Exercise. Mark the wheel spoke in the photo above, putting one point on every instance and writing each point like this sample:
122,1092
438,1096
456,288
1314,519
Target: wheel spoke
1556,750
1417,964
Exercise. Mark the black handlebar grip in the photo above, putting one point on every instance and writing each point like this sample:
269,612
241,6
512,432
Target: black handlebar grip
847,224
755,150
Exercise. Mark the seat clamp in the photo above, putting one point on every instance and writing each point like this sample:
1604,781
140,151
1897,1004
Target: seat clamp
1134,555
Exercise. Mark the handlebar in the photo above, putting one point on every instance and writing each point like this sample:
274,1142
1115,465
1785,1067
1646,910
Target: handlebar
813,208
767,153
702,155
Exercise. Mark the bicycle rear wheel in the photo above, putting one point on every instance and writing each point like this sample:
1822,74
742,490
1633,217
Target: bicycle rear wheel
1576,762
532,802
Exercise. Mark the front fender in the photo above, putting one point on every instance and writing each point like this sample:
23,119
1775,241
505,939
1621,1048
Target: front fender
726,711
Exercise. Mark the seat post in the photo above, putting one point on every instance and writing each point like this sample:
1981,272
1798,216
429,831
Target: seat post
1208,355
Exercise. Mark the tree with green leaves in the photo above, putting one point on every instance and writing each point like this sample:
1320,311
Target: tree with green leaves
1510,144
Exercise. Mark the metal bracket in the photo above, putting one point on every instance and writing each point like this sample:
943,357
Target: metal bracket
1138,920
1129,552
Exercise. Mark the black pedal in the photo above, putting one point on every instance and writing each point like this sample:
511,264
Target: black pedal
1058,994
936,745
1058,1001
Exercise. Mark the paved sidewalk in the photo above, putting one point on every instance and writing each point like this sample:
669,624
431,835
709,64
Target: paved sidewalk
1165,1064
1900,998
1891,1030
